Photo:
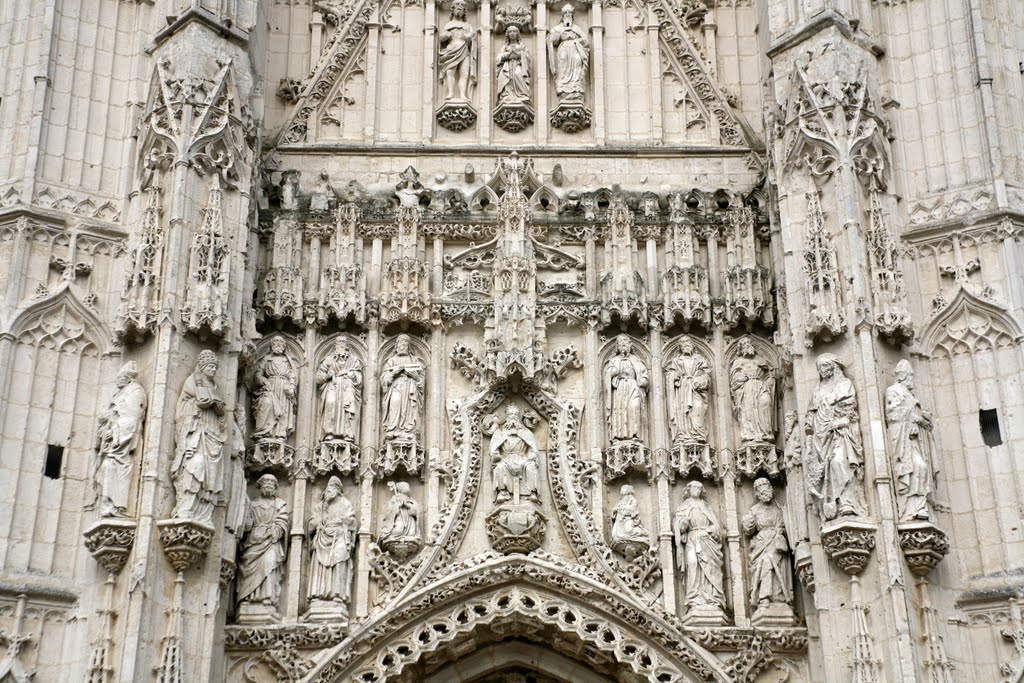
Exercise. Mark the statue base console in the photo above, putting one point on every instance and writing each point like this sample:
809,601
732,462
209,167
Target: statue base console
773,614
250,613
456,116
705,615
570,117
516,528
513,116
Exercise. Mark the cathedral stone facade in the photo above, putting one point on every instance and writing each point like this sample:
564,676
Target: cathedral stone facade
494,340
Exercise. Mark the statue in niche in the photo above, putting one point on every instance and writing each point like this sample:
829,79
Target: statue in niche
200,430
836,459
513,70
569,58
770,576
629,536
264,546
340,378
516,473
910,436
323,193
698,537
333,529
234,478
401,382
752,385
274,406
118,435
689,382
457,61
400,530
625,389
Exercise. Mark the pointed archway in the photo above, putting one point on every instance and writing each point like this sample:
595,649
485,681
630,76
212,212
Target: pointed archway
538,600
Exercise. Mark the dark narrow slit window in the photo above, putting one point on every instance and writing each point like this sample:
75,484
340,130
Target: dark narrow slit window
54,460
989,420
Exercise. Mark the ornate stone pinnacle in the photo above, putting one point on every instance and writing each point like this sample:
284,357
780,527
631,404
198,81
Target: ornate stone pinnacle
924,545
849,543
110,541
185,542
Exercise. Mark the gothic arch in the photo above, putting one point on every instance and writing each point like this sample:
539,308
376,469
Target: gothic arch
64,323
535,598
969,324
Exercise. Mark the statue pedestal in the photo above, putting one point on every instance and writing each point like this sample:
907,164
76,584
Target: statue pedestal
705,615
110,541
570,116
185,541
513,116
456,116
630,549
924,545
320,610
849,543
625,456
255,613
401,549
753,459
271,454
516,528
773,614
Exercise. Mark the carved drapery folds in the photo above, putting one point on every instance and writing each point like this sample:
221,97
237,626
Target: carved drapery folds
340,381
626,381
205,309
275,384
513,110
140,295
569,63
752,387
825,315
402,382
688,392
623,293
457,64
747,283
698,541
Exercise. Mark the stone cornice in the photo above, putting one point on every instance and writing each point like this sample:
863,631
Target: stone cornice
818,23
223,27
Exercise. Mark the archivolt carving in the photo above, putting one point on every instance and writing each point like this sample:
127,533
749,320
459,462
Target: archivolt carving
506,591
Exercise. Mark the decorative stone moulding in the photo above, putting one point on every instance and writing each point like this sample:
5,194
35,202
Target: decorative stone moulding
773,614
110,542
622,457
804,565
456,116
686,457
335,456
630,548
394,455
754,459
849,543
516,528
401,549
513,116
270,455
185,542
924,545
570,116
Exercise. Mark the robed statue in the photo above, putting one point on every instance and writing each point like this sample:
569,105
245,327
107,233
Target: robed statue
276,380
118,435
569,58
625,389
457,61
514,457
333,528
912,444
260,567
340,378
200,431
688,379
401,383
752,385
513,70
770,573
698,538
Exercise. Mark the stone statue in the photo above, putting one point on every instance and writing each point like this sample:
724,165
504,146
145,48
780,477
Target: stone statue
835,458
340,378
333,529
516,473
274,406
698,538
625,390
401,383
118,435
400,530
770,574
513,70
910,437
752,386
200,430
628,533
264,546
689,382
569,58
457,61
234,477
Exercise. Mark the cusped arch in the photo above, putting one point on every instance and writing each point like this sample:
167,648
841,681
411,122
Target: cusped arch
538,599
499,658
63,323
969,324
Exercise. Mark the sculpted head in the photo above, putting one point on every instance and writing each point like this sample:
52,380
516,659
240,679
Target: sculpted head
624,345
267,485
763,490
402,487
402,344
686,346
127,374
513,415
207,363
512,34
745,347
827,365
334,488
568,13
341,348
277,345
695,489
459,9
905,373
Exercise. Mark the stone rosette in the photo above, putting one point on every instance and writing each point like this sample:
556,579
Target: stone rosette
185,541
516,528
849,543
110,541
924,545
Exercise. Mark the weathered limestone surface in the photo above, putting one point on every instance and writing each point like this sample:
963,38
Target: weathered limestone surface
668,340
